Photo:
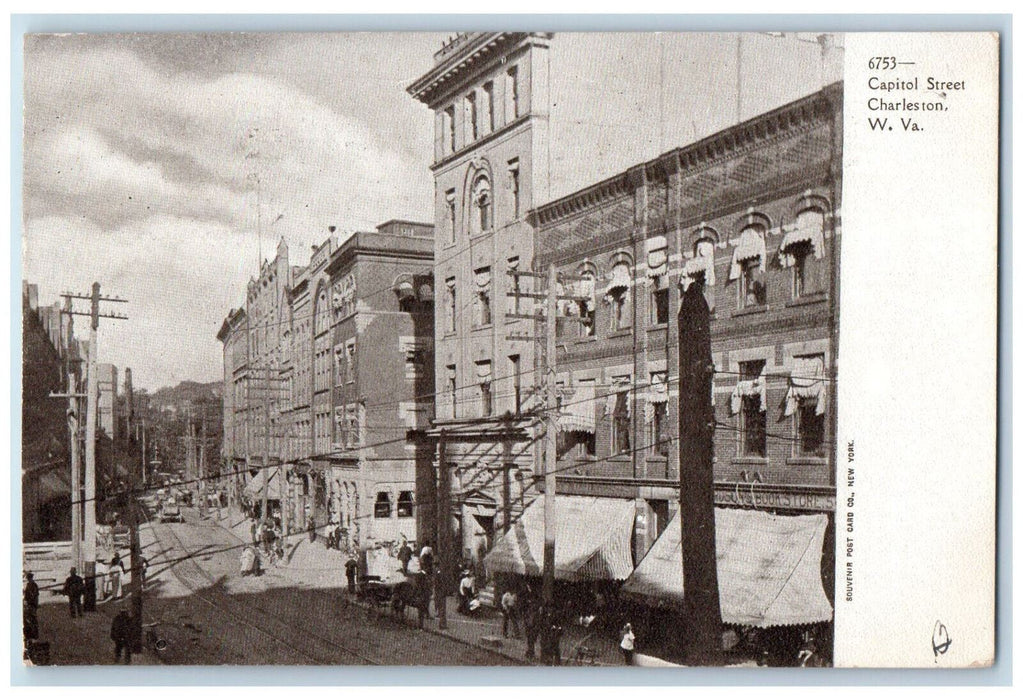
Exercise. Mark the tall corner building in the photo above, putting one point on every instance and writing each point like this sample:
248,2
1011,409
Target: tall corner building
489,95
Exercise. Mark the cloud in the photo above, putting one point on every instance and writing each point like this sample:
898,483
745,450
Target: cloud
153,180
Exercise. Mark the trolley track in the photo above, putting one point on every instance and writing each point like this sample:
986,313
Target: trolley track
297,624
302,641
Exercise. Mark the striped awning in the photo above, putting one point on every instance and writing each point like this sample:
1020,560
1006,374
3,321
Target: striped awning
809,228
593,540
579,411
255,487
751,246
769,568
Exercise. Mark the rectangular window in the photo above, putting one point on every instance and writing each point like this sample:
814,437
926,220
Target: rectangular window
488,107
513,176
659,428
803,269
482,299
511,91
619,298
471,118
751,285
452,305
516,373
449,199
405,504
621,417
350,361
486,398
809,430
449,129
659,301
382,505
515,288
452,390
752,416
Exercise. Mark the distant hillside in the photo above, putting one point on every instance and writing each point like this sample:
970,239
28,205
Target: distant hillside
185,393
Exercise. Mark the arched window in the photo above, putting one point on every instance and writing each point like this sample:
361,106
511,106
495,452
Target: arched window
322,311
482,205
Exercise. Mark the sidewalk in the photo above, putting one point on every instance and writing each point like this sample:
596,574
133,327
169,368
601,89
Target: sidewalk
312,564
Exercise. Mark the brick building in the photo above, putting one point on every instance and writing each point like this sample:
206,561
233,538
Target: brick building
50,353
343,444
753,213
517,124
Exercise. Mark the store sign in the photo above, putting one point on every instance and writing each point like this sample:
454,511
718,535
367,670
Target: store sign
753,498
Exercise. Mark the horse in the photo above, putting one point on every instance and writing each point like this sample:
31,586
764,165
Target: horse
414,592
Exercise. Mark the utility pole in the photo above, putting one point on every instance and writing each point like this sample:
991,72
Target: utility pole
701,605
266,441
550,461
74,421
135,547
443,557
550,317
92,410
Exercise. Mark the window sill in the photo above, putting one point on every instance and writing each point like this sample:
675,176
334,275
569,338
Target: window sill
483,327
807,460
807,299
620,458
582,341
657,458
620,333
657,327
751,310
750,460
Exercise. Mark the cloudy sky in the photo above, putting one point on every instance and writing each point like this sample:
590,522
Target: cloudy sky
148,156
142,154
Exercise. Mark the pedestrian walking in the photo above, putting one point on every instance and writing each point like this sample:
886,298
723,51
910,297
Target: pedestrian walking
30,607
254,530
351,568
31,595
466,591
510,613
120,633
115,573
628,643
74,589
404,555
312,529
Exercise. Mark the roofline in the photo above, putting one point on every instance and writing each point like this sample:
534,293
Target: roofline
707,149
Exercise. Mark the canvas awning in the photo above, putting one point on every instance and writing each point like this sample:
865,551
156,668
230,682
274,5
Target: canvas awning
579,412
593,540
403,287
807,382
255,487
751,246
769,568
621,278
809,228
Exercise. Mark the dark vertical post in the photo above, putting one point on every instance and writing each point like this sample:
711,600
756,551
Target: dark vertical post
701,606
550,460
443,558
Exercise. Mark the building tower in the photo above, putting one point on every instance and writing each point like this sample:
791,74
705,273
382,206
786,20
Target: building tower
489,95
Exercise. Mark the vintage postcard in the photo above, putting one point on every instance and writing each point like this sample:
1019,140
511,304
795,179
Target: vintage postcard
509,348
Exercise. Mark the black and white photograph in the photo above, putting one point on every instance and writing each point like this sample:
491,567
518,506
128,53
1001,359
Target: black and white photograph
478,348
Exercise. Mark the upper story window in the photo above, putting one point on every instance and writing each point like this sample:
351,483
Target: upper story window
802,249
449,201
486,394
749,263
620,405
471,118
806,400
618,296
516,375
749,401
452,389
511,92
481,301
482,205
487,115
657,413
451,308
513,183
448,127
350,360
514,285
659,300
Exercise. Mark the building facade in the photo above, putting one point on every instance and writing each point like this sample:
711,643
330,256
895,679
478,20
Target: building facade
752,213
488,92
345,442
